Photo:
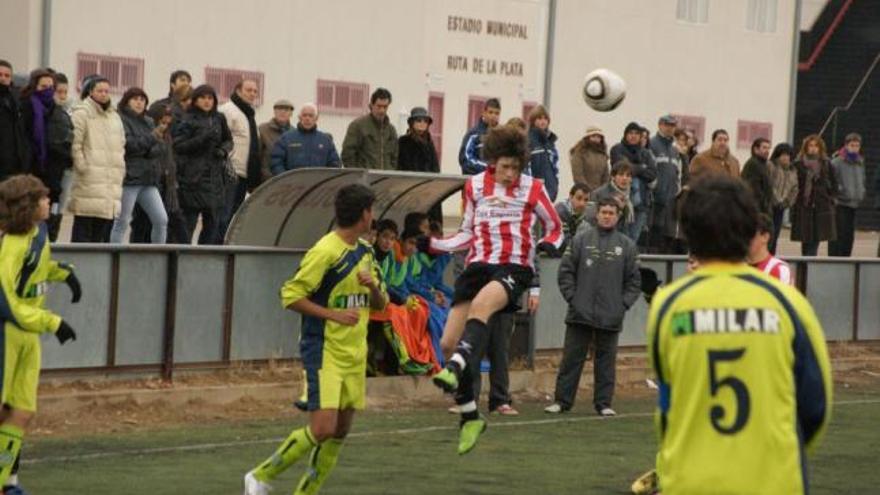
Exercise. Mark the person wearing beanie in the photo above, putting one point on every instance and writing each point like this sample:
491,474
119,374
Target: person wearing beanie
589,160
98,162
416,151
784,179
849,170
644,172
270,132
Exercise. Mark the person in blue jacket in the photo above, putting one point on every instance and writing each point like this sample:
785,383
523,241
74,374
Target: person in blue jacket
543,156
304,146
471,146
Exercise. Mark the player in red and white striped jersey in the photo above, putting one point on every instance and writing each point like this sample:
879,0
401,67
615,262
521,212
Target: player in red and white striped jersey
760,256
501,206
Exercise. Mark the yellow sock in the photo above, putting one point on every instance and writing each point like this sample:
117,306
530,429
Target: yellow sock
10,445
321,461
291,450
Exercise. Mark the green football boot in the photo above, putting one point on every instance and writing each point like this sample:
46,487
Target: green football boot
469,434
446,380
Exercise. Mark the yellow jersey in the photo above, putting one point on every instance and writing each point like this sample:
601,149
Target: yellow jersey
745,383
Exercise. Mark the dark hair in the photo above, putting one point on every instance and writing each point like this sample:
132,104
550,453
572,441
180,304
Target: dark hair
380,94
765,224
60,78
579,186
719,217
607,201
518,123
758,142
177,75
351,203
492,103
19,199
132,92
158,111
34,79
506,141
88,84
679,133
204,90
716,132
538,112
413,220
435,227
622,167
386,224
4,63
782,149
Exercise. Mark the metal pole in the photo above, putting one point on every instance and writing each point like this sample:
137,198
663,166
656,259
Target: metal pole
548,63
795,56
46,35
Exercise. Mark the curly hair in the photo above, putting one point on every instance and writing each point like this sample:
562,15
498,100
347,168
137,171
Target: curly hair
506,141
19,200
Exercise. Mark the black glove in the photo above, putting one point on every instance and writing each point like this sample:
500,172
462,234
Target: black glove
423,244
549,249
650,283
75,288
220,153
65,333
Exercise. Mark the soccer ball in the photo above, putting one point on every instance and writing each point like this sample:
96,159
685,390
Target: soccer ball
604,90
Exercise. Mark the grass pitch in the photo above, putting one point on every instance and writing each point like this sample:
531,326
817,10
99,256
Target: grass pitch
413,452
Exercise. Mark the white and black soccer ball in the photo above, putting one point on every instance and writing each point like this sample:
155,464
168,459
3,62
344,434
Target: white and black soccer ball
604,90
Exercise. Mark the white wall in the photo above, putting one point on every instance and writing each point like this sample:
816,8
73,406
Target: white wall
718,70
402,45
21,33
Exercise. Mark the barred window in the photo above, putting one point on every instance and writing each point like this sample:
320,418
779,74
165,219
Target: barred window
225,80
122,72
342,97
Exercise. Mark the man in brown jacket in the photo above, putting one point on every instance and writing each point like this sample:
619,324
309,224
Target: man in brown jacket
272,130
716,159
371,140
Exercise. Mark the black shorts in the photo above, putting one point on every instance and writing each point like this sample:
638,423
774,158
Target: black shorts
514,278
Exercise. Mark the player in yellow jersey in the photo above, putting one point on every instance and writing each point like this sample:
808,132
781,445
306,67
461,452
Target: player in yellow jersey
26,268
335,287
740,358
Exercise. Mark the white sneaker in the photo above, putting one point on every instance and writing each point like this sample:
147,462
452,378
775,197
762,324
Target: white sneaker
454,410
553,408
607,412
253,486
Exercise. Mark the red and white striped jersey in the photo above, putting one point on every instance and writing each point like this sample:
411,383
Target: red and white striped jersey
498,221
777,269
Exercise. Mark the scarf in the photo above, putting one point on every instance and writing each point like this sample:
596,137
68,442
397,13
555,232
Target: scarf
254,165
42,102
628,209
851,157
813,167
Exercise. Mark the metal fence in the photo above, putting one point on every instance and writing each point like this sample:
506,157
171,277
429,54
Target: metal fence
163,308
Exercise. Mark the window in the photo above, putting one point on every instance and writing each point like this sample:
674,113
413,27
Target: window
122,72
747,131
435,110
693,11
761,16
475,109
224,81
528,106
343,98
694,123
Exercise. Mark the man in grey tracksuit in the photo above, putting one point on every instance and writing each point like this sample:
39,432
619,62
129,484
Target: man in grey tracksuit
599,278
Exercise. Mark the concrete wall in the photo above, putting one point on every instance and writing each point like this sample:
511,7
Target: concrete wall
260,329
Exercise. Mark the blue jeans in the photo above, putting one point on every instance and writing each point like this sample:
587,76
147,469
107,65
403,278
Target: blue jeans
151,201
634,230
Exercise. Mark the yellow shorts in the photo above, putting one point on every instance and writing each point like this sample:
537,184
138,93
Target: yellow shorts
21,368
329,388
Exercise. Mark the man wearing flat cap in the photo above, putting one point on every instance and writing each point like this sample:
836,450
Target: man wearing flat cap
272,130
670,176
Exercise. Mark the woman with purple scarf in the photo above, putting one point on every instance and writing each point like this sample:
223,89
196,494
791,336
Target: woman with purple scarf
50,133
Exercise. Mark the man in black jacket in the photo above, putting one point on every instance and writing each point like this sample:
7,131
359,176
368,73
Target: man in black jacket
14,148
599,278
756,173
670,176
644,172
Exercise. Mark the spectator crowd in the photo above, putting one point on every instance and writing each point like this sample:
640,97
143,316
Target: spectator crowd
152,172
